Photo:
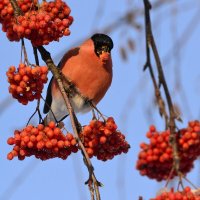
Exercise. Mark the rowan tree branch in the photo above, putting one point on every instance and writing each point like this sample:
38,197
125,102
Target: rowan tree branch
150,43
159,99
74,121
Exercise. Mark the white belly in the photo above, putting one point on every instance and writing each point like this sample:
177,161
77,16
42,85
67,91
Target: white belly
59,109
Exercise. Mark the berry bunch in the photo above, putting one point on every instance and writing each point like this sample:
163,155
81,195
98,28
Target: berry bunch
155,160
7,12
189,139
186,194
26,83
101,139
41,24
7,18
44,142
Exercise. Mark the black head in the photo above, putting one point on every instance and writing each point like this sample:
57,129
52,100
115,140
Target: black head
102,43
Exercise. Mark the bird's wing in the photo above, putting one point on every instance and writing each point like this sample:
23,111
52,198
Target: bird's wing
48,99
68,55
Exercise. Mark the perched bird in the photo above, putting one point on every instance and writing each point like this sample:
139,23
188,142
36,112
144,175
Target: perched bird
89,68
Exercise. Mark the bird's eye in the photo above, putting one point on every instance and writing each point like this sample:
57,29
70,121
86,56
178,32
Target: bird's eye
102,49
99,52
105,49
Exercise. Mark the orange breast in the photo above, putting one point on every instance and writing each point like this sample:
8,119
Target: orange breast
87,71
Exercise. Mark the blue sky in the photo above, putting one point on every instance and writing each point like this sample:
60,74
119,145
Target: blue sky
129,100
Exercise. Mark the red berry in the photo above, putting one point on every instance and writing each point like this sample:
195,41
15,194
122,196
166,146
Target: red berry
11,141
10,156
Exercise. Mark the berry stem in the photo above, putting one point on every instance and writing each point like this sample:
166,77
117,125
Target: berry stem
49,109
24,52
36,110
36,55
98,111
17,10
194,186
180,183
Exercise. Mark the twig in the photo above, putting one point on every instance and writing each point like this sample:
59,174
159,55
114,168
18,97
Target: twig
159,99
36,56
91,190
36,110
194,186
37,63
169,177
98,111
56,73
49,109
96,188
162,82
180,183
24,51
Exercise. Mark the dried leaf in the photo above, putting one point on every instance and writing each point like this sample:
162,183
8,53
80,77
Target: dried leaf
177,112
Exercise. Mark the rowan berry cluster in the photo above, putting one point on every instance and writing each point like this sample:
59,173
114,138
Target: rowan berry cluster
189,139
26,82
40,23
186,194
44,142
155,159
7,12
101,139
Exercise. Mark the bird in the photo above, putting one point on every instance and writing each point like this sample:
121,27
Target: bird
89,68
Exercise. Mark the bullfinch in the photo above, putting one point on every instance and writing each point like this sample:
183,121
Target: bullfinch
89,68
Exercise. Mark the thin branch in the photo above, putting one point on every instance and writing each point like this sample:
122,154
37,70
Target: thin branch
194,186
36,110
56,73
159,99
24,51
36,56
49,109
91,190
162,82
97,110
37,63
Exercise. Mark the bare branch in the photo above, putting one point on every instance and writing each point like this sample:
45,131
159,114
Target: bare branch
74,121
172,115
